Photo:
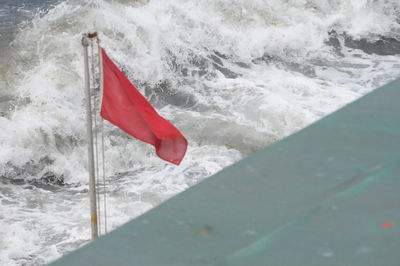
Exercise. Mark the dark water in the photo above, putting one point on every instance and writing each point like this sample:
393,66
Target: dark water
14,12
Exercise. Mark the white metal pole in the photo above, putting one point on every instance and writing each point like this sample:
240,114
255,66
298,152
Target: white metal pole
92,187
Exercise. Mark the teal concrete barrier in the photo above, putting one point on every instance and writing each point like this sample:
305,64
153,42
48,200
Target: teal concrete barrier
327,195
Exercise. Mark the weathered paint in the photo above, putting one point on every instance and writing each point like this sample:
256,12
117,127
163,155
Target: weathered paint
327,195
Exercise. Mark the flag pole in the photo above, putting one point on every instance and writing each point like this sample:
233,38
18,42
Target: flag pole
92,187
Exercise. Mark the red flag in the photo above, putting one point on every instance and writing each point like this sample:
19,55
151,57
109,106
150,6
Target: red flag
125,107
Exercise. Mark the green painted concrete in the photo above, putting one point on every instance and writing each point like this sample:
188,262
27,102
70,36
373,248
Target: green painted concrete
327,195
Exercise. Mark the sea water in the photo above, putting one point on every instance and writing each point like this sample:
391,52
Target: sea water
233,75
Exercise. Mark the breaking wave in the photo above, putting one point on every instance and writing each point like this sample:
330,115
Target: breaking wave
232,75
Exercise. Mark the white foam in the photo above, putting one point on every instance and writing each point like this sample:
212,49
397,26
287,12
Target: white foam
286,77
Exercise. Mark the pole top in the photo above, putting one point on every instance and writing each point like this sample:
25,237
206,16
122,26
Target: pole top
92,34
86,36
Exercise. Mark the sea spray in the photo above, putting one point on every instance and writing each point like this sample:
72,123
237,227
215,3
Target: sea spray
233,76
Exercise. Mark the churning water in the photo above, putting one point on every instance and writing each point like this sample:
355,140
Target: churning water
232,75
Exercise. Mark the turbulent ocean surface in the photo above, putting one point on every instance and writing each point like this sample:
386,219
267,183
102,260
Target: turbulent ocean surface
232,75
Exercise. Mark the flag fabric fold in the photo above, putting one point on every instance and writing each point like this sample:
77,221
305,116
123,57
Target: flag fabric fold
125,107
